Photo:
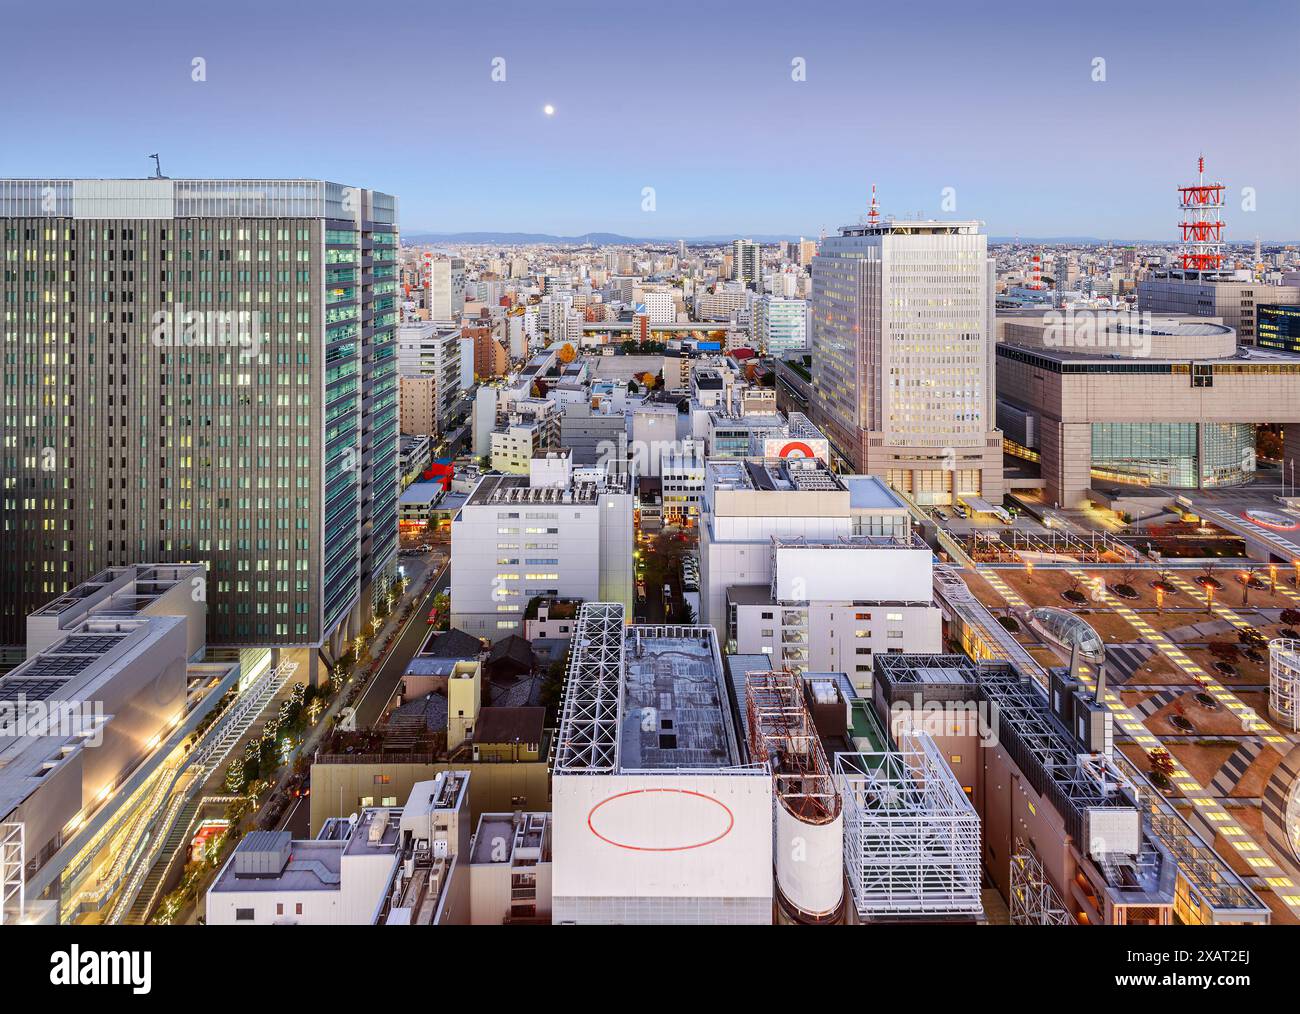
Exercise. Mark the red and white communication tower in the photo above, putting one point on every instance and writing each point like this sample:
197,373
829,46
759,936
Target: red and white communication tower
873,212
1202,225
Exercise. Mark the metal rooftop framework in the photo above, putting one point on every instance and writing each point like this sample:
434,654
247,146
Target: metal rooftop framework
911,837
1044,751
1034,901
781,733
587,742
1007,546
12,874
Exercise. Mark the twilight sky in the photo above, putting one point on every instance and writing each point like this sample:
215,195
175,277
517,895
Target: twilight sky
693,98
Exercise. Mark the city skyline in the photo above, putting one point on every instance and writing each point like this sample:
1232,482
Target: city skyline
688,465
977,112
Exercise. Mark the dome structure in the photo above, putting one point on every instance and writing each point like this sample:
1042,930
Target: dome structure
1069,631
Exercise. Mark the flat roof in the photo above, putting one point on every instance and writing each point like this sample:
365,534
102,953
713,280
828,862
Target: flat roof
868,491
674,678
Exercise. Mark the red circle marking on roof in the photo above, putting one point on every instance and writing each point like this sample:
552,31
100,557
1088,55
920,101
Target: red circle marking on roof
731,821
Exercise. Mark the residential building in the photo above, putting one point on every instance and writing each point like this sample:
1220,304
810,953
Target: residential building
747,263
532,427
427,352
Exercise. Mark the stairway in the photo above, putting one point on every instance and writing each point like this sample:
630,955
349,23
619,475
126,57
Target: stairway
146,895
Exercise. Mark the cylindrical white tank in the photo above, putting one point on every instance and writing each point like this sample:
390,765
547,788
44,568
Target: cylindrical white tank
810,863
1284,682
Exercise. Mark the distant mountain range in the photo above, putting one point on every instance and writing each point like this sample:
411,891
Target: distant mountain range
615,239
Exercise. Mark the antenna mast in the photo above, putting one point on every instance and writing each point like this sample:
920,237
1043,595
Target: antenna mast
1202,227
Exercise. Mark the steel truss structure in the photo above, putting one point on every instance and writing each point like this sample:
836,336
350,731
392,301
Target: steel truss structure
1008,546
911,837
12,899
1202,204
781,734
593,693
1034,901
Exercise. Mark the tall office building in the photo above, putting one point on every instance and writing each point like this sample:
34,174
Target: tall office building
747,263
902,356
202,371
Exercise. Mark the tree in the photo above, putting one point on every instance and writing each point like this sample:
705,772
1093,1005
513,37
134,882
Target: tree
552,689
567,355
1162,766
236,778
647,380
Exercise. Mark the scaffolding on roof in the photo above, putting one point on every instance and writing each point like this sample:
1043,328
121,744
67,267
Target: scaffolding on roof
781,733
911,837
593,693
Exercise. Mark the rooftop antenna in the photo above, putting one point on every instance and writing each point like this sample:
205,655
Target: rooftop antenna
1202,227
157,167
873,212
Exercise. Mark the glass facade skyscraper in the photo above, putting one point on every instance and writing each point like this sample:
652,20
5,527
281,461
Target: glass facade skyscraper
202,371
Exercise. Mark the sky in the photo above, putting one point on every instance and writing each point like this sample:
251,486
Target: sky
681,118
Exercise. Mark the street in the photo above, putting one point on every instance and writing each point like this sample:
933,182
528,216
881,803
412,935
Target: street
371,703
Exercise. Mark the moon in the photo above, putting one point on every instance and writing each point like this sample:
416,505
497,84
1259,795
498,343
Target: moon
548,109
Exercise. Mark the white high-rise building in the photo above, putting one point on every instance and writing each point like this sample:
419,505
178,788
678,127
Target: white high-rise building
445,279
747,263
521,536
780,325
660,308
903,346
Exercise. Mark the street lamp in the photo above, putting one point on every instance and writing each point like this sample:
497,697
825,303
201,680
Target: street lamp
1272,577
1160,597
1245,587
